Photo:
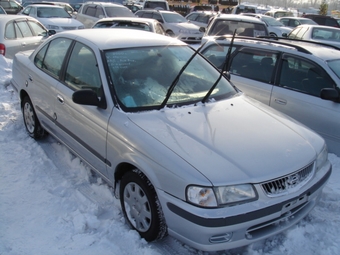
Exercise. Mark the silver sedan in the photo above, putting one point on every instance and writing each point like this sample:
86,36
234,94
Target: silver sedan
185,151
18,33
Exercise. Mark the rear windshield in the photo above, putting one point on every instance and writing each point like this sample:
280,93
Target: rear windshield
223,27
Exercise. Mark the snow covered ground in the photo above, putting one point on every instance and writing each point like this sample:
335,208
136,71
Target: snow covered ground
50,203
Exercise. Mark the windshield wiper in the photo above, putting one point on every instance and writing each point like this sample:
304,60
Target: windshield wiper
175,81
225,67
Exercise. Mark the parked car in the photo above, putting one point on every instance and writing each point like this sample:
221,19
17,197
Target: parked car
175,25
293,22
11,6
185,151
144,24
20,33
134,7
275,27
156,4
66,6
200,18
91,12
2,10
53,17
224,24
278,13
300,79
323,20
317,33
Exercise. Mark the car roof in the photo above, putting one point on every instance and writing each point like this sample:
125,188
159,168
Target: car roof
238,18
319,26
104,39
104,3
316,49
45,5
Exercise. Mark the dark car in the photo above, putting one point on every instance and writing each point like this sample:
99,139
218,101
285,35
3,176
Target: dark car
323,20
11,6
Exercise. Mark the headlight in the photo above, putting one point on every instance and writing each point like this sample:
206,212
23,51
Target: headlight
52,27
219,196
322,158
81,27
183,31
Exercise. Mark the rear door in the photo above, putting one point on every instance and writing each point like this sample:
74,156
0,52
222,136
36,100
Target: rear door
298,95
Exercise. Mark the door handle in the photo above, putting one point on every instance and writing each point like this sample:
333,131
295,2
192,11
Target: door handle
280,101
60,99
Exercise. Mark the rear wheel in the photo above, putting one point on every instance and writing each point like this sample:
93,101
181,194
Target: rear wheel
31,121
141,207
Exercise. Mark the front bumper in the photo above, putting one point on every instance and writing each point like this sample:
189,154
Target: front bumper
210,229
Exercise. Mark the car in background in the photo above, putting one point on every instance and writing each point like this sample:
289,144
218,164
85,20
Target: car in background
298,78
91,12
293,22
76,6
66,6
2,10
18,33
175,25
278,13
275,27
150,25
317,33
11,6
156,4
133,7
185,151
226,24
52,17
322,20
200,18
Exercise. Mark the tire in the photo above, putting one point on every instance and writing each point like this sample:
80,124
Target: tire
31,121
272,35
141,207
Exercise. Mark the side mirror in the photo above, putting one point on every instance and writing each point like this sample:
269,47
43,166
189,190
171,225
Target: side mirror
85,97
330,94
202,29
51,32
284,35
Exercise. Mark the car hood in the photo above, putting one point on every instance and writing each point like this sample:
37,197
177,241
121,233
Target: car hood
235,140
60,21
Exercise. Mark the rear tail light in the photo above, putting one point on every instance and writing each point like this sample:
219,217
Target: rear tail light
2,49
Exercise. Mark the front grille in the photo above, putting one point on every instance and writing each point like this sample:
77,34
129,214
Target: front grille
284,184
69,28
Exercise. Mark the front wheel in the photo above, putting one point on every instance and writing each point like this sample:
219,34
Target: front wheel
170,33
141,207
30,119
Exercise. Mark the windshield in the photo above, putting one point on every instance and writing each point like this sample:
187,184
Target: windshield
51,12
335,66
173,18
272,22
223,27
118,12
142,77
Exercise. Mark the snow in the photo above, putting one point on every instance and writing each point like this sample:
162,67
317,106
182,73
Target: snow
51,204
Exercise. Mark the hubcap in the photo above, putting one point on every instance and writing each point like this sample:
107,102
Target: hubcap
137,207
29,117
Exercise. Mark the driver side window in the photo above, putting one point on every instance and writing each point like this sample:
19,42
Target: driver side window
82,70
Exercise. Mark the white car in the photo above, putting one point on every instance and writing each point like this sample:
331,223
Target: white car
18,33
52,17
317,33
275,27
175,24
186,152
200,18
